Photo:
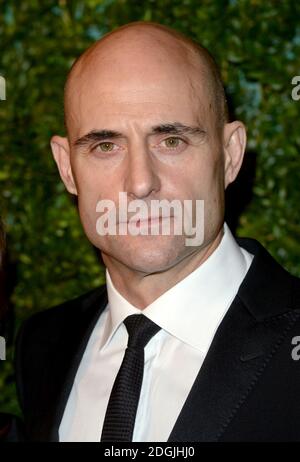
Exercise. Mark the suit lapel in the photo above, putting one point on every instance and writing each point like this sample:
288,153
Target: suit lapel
240,351
247,338
66,361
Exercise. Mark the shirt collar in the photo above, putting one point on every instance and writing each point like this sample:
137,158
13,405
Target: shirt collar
193,308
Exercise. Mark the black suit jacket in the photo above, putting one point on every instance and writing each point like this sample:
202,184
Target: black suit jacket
248,388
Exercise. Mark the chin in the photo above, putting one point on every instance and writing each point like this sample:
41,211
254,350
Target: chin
148,256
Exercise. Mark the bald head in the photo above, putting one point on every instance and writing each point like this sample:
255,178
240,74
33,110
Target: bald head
147,49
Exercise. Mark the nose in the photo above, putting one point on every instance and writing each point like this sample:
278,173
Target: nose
141,177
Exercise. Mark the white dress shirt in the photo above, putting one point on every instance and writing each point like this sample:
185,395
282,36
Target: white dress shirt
189,314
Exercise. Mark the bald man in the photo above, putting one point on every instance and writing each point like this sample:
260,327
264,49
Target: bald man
187,341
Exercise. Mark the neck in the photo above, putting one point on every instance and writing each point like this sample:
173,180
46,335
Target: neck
141,289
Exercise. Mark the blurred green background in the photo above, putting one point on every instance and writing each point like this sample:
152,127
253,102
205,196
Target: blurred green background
257,46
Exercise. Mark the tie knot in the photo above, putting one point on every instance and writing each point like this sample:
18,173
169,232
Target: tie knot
140,330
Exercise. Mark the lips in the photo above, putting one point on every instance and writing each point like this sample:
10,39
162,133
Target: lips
147,221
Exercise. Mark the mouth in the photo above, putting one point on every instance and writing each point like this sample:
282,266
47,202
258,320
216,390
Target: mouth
151,221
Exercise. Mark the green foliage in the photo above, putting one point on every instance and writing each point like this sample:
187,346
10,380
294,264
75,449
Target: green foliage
257,45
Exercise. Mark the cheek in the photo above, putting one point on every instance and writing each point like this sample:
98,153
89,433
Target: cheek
89,190
206,183
219,176
203,176
91,182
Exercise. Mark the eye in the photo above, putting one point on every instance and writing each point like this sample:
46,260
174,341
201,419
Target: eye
106,146
173,142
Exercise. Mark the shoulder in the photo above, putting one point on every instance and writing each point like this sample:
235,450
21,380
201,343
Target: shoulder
267,284
54,325
56,317
43,336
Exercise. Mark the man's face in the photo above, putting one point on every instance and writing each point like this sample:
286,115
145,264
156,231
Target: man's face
137,94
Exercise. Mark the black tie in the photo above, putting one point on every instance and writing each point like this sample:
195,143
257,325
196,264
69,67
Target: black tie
124,398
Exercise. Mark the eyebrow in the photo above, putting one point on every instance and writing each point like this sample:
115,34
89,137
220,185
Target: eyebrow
175,128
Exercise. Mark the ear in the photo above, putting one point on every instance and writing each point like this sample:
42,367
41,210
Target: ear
61,153
234,148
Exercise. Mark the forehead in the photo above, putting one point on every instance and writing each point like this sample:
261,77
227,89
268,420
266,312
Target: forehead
144,83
